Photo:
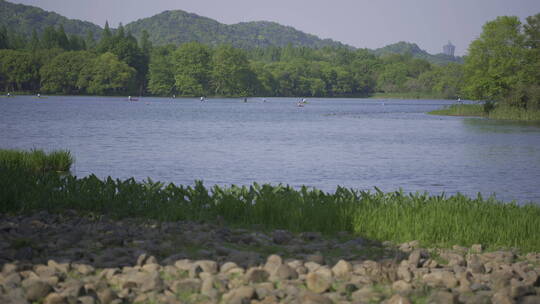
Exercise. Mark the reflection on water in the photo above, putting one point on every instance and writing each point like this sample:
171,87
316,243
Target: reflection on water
358,143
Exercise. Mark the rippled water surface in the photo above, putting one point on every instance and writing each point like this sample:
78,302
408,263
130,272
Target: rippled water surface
358,143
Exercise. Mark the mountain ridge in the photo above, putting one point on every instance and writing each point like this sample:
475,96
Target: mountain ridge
26,18
163,29
178,26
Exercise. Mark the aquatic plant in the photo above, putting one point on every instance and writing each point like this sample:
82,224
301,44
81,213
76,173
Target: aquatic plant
396,216
461,110
37,160
489,110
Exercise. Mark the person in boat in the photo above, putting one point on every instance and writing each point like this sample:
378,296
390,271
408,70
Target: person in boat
38,95
8,94
202,98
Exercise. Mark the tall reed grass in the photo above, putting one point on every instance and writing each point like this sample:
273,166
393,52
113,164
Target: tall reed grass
396,216
461,110
514,113
500,112
37,160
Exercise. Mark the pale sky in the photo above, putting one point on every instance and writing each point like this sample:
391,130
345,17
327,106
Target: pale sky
360,23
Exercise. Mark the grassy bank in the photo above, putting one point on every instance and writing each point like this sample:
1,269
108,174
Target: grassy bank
399,217
461,110
406,95
498,112
36,160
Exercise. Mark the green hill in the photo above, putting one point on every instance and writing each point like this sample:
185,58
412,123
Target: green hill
176,27
403,48
24,19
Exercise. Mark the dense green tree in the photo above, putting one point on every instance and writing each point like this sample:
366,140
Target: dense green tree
19,70
495,60
145,45
33,44
107,75
231,74
191,63
161,80
61,74
4,44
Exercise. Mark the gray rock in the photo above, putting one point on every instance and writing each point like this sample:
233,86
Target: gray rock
256,275
398,299
308,297
310,236
281,237
186,286
404,273
530,300
476,248
86,300
208,266
35,289
318,282
227,266
239,295
316,258
401,286
366,295
342,270
207,287
55,298
151,282
442,297
416,257
440,279
264,290
106,295
312,266
284,272
272,263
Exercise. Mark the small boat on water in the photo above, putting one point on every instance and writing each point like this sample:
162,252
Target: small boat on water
132,98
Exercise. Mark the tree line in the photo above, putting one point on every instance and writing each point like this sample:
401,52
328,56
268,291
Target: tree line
503,64
119,64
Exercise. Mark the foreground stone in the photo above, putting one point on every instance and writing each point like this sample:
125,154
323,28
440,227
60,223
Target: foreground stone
68,258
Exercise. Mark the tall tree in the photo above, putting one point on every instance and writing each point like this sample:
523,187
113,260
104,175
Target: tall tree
493,67
161,72
231,74
192,69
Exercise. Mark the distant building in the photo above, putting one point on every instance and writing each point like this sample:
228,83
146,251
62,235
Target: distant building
449,49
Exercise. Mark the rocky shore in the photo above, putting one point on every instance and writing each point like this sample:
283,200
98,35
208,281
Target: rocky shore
70,258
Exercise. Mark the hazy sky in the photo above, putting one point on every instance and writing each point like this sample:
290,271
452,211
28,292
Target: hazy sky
360,23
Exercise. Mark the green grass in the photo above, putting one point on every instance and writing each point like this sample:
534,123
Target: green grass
500,112
436,221
514,113
37,160
406,95
461,110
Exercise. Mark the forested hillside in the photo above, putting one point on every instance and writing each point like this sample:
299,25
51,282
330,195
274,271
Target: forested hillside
403,48
177,27
25,19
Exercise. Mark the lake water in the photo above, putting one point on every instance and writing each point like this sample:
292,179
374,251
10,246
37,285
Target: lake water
356,143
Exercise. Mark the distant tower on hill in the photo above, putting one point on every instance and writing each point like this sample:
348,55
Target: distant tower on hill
449,49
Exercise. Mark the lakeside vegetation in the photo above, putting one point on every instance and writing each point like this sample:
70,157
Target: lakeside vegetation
36,160
502,67
490,111
396,216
